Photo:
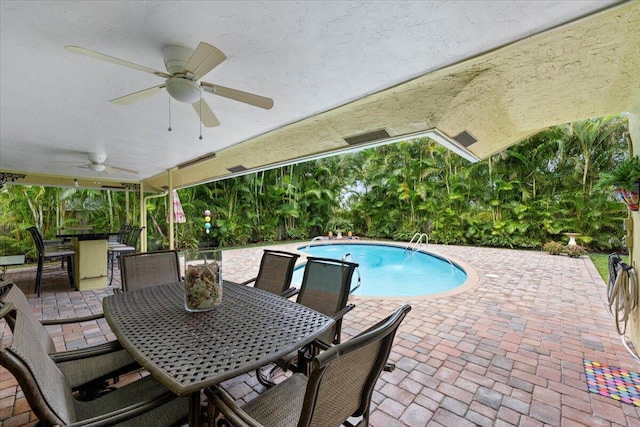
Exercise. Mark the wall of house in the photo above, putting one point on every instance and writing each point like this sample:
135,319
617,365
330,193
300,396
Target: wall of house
634,130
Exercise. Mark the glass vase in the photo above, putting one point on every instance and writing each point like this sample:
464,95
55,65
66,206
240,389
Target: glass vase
202,279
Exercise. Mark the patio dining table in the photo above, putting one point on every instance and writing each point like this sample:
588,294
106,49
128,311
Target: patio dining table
188,352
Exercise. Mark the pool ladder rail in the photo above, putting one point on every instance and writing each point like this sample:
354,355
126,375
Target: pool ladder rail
359,282
314,239
418,237
417,240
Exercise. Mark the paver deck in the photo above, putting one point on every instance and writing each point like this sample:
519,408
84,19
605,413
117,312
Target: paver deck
507,351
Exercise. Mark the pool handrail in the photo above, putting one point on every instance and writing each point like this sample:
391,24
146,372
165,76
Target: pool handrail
313,240
359,282
418,241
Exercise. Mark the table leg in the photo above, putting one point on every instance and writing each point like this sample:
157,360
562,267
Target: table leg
195,409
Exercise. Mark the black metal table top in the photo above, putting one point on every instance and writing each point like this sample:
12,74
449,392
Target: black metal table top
188,352
87,235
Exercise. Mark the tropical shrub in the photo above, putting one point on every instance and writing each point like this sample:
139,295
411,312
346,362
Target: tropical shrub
575,251
525,196
554,248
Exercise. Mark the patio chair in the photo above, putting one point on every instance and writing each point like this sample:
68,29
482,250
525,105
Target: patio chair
53,253
276,271
48,391
129,247
120,239
339,386
145,269
325,288
87,369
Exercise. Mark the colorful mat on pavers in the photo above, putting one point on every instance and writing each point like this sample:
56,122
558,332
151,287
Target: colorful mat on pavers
616,383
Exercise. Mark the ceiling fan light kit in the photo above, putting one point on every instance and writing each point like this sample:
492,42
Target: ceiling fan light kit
96,167
183,90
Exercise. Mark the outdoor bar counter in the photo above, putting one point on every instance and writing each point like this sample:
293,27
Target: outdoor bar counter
90,259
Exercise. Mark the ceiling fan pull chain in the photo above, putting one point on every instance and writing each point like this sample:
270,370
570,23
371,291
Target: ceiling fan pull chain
200,116
169,113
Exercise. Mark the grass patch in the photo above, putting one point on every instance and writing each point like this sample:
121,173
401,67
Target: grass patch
601,261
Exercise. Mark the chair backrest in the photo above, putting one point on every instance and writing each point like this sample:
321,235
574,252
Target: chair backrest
11,293
123,233
37,239
145,269
276,271
342,378
325,288
134,235
47,390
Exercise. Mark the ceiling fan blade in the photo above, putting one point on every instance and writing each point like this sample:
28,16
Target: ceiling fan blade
137,96
238,95
206,115
117,61
204,59
115,169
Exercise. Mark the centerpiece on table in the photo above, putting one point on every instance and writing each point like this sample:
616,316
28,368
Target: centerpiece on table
203,279
625,178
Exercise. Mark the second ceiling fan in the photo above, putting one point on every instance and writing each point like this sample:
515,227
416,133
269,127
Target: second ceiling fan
185,68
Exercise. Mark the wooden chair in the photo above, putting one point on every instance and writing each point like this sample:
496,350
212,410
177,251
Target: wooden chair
87,369
54,253
144,269
276,271
325,288
339,387
49,393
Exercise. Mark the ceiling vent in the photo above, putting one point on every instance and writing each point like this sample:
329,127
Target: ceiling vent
465,138
197,160
363,138
236,169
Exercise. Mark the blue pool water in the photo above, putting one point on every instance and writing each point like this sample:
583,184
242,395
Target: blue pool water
390,270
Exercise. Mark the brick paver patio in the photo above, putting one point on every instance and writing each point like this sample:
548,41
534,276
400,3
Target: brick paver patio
507,351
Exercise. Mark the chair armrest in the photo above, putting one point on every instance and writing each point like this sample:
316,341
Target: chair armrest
290,292
81,353
248,281
321,345
339,315
48,322
229,410
126,413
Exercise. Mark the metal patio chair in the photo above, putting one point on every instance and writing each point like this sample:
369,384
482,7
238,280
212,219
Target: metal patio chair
53,253
120,239
145,269
325,288
130,246
48,391
87,369
276,271
339,387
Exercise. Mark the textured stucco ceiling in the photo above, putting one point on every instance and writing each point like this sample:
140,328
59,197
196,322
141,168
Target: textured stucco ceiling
501,70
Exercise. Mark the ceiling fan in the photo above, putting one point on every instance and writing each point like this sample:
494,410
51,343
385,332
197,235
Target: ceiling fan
185,68
97,164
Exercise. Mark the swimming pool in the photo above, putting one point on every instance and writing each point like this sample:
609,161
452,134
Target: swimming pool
387,270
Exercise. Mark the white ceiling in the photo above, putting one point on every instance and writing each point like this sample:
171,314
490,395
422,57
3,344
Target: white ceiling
309,56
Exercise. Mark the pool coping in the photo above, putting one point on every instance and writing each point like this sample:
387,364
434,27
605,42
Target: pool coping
473,279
